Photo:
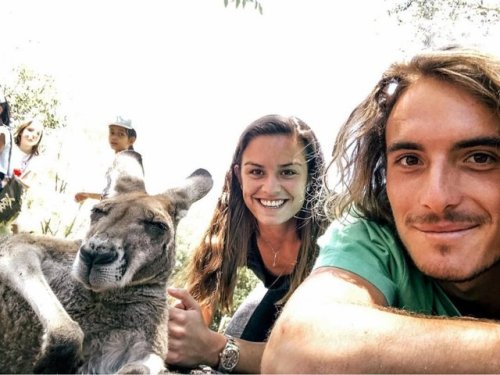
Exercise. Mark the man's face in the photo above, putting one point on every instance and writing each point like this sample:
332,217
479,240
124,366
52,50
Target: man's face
443,179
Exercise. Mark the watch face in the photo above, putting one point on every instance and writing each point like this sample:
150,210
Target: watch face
229,358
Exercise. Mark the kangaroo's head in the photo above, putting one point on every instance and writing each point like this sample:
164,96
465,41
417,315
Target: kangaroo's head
131,239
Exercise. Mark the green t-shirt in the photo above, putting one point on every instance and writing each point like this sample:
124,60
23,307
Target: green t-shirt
373,252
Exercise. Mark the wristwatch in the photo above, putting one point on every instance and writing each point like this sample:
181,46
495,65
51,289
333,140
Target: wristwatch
230,355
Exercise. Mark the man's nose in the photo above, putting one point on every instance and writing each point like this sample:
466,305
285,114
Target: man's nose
441,188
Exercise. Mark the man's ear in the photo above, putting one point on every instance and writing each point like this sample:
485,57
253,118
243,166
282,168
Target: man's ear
237,172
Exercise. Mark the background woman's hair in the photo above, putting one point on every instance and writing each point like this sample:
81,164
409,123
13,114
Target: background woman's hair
211,272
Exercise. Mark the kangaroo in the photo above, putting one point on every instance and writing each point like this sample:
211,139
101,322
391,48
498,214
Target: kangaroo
96,305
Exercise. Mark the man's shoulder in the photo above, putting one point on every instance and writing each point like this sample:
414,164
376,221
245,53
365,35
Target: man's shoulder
348,242
359,228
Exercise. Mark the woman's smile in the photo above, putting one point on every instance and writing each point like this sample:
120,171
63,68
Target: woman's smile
268,203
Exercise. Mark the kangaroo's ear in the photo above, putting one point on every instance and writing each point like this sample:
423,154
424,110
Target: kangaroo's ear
196,186
126,175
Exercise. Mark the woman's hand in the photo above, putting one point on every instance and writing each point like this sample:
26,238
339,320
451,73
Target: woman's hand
191,342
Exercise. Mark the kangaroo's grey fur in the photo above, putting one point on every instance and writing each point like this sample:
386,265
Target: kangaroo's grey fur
96,305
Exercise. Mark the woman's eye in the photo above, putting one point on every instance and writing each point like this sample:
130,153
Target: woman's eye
256,172
288,172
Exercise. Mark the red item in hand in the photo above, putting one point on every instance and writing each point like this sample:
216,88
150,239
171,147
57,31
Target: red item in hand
17,172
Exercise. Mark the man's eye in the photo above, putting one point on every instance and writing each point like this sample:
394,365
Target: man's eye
480,158
409,160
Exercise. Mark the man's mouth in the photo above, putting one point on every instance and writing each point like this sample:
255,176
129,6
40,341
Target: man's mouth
446,231
277,203
445,227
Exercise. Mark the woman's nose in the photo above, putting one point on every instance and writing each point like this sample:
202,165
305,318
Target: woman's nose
271,185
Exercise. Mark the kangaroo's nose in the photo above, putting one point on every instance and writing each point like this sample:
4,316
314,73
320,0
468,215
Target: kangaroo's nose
98,251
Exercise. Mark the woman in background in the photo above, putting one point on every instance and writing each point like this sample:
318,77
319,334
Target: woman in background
27,138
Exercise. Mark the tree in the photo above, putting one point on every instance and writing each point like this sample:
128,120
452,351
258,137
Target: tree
438,22
256,4
33,95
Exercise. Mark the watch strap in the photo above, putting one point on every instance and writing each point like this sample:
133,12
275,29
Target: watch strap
229,356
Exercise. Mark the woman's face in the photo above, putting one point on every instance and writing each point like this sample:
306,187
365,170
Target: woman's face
119,139
273,177
30,137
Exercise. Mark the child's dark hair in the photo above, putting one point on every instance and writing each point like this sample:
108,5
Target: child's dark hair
131,133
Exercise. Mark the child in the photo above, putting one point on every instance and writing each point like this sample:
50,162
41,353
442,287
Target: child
121,137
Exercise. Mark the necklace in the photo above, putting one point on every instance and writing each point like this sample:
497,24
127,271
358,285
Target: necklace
275,252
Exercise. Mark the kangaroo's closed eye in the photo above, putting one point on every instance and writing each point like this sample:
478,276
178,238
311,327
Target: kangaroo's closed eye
97,213
155,227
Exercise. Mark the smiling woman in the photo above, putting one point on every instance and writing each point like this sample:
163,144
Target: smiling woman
27,138
268,219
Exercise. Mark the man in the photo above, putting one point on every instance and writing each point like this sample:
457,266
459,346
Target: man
413,283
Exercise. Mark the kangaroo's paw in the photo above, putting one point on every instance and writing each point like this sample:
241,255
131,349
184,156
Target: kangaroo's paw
61,351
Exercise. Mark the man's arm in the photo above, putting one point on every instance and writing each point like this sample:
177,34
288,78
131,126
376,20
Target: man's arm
336,322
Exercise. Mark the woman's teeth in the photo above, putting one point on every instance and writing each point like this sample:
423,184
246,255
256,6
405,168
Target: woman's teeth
272,204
